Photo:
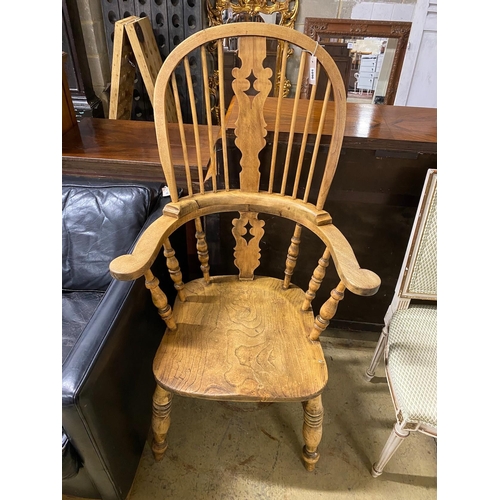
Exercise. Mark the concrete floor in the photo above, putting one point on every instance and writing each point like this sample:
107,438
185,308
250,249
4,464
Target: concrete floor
253,451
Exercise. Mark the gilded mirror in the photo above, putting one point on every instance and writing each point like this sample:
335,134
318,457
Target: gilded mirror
374,51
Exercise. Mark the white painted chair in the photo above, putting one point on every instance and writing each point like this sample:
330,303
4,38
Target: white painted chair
408,340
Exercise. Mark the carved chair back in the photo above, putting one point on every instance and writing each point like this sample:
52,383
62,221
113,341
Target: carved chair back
250,114
254,121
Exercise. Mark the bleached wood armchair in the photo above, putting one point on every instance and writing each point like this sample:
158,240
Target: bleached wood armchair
246,338
408,342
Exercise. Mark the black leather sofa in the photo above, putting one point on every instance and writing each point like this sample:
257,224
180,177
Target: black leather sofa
110,332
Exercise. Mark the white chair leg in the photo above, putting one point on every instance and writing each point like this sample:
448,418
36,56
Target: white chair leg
379,350
392,444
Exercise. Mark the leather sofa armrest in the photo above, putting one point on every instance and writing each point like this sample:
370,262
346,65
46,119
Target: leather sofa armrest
70,459
107,384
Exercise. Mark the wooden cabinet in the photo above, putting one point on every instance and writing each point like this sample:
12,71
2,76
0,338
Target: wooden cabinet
340,54
368,74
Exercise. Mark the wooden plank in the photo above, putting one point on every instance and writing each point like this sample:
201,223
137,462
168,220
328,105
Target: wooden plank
122,73
148,58
143,43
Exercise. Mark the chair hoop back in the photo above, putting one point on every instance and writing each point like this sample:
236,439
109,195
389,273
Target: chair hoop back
253,113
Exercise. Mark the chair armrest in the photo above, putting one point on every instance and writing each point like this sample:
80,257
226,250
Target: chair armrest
107,385
357,280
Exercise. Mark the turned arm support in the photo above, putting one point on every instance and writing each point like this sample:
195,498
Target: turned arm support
132,266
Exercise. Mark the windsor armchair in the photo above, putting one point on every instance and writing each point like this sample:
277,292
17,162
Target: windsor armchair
247,338
408,342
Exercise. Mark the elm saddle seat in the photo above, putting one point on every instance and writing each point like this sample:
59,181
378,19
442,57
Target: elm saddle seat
247,338
110,332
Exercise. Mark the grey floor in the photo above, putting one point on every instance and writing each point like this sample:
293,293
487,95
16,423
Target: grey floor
249,451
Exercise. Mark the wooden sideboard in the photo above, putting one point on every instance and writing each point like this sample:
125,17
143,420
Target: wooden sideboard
106,148
384,159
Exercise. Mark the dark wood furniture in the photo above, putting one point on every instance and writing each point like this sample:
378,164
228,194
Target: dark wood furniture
107,148
340,54
124,149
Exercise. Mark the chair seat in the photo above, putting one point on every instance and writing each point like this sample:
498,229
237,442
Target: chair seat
412,363
241,341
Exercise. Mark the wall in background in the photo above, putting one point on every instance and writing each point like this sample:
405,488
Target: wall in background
422,70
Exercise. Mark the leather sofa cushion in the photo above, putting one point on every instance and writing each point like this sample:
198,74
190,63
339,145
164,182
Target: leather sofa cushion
77,309
99,223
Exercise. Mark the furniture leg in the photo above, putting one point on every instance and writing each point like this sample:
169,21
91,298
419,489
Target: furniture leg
382,341
162,404
392,444
312,431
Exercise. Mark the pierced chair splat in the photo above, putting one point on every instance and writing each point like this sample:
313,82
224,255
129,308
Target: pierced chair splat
246,337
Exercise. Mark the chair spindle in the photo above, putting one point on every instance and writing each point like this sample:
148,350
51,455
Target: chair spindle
222,107
196,129
327,311
319,133
305,135
316,279
212,167
278,118
291,258
202,249
174,269
182,133
292,123
159,299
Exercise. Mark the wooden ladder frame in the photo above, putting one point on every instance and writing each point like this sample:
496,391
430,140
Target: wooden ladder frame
134,40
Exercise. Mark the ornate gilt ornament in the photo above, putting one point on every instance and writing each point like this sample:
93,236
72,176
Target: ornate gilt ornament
287,9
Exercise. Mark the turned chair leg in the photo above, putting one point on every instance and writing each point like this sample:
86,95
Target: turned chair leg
162,404
379,350
392,444
312,431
